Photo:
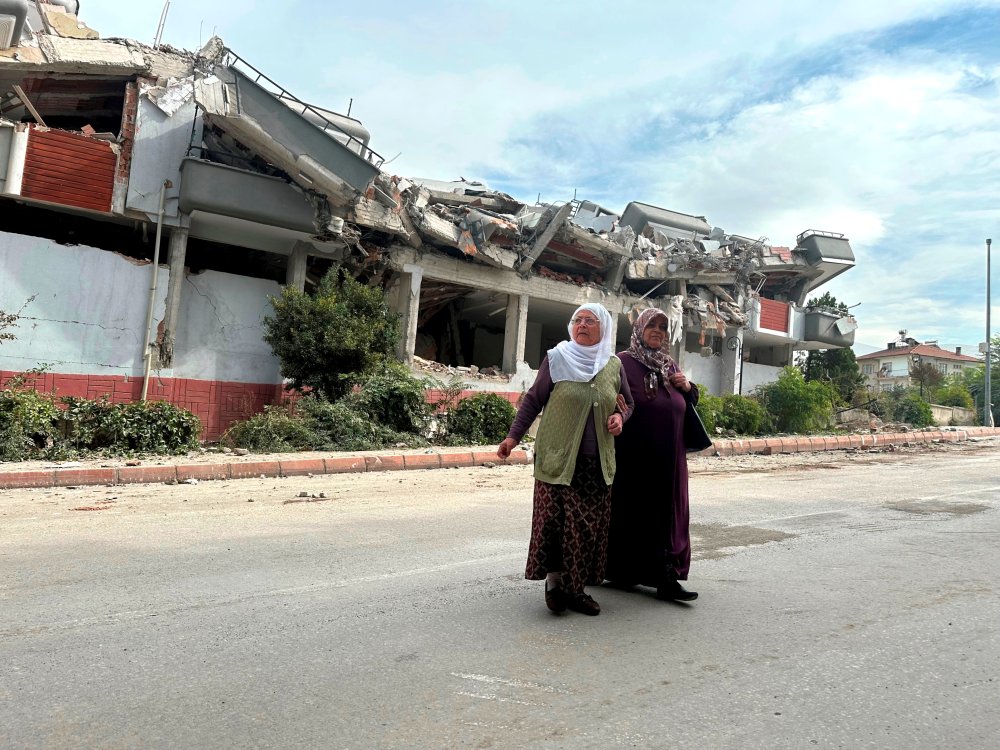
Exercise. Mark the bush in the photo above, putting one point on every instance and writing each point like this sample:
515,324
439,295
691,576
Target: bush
914,410
710,410
794,405
954,394
345,425
275,430
28,422
394,398
329,341
743,415
137,427
484,418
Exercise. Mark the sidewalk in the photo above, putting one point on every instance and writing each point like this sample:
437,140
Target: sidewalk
220,466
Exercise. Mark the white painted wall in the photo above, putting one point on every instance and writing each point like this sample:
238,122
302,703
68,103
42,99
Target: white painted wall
89,311
89,315
161,143
755,375
705,371
220,331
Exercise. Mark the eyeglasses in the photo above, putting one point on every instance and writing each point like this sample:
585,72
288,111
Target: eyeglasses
585,322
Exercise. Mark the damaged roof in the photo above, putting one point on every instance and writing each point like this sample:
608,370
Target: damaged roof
321,165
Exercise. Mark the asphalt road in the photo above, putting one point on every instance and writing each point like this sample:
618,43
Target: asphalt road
847,601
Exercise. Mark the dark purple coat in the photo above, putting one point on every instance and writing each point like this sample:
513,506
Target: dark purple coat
649,538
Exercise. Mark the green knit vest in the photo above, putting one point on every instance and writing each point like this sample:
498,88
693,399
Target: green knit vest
564,419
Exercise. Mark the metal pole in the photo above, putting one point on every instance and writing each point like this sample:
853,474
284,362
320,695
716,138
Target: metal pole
147,347
988,397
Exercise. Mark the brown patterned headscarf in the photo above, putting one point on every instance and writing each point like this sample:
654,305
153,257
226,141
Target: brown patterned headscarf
657,360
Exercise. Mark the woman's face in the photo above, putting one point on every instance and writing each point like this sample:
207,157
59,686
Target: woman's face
655,332
585,328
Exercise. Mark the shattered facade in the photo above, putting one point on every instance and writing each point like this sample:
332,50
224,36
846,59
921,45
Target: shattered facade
107,145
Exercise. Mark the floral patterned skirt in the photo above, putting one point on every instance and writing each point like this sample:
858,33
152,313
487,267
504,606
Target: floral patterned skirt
569,528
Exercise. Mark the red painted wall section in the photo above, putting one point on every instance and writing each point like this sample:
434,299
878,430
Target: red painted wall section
773,315
217,403
69,169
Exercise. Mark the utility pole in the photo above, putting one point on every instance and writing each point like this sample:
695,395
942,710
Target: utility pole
988,395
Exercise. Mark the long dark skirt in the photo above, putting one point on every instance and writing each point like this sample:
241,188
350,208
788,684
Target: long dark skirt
569,528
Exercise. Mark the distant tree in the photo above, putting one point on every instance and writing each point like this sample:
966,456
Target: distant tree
836,367
975,381
331,340
828,302
953,392
926,375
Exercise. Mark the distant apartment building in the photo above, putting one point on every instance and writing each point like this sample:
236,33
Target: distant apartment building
892,367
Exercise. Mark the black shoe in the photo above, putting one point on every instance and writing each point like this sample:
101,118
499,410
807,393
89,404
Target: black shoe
555,598
672,591
583,603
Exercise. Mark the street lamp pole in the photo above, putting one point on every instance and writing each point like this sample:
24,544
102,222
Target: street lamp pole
988,393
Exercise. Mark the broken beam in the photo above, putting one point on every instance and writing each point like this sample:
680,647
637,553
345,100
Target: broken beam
544,238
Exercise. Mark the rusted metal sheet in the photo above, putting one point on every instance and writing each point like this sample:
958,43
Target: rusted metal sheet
69,169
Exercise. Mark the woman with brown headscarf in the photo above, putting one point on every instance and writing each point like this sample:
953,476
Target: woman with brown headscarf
649,541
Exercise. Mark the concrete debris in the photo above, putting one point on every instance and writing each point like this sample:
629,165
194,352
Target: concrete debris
493,373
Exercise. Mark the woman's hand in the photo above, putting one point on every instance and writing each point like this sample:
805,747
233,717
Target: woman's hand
504,449
679,381
615,424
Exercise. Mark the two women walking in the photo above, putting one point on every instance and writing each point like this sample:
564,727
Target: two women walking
583,531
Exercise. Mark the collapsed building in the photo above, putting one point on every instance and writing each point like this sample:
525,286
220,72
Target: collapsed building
153,199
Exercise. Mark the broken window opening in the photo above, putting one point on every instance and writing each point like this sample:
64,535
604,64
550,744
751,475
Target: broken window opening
67,102
133,239
205,255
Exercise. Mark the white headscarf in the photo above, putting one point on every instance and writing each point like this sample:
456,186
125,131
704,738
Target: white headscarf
569,360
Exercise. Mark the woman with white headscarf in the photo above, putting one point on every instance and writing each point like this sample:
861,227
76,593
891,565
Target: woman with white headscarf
585,402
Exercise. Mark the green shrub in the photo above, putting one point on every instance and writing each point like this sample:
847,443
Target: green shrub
954,393
794,405
394,398
743,415
28,422
275,430
914,410
481,419
710,410
345,425
137,427
328,341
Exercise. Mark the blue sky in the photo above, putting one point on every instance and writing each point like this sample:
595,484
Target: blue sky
880,120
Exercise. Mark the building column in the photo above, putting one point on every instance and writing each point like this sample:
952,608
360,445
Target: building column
178,255
295,273
408,308
515,329
732,361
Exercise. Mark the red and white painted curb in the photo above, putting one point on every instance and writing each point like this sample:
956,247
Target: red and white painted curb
446,459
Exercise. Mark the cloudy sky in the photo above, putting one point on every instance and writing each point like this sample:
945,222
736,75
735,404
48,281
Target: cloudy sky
877,119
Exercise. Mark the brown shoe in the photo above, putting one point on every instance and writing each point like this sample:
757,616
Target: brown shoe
582,603
555,598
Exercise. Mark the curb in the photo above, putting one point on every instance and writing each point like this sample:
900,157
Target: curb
73,477
78,477
803,444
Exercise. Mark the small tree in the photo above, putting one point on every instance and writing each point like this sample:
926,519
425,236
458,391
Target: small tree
926,376
330,340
